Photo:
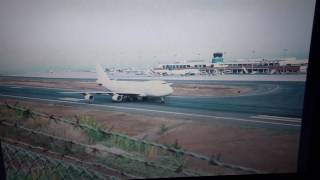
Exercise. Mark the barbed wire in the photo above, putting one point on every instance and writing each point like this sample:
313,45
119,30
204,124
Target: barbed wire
95,149
213,160
24,164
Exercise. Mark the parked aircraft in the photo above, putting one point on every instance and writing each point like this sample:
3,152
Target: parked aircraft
181,72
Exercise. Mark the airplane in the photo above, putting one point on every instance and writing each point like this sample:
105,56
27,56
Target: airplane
127,90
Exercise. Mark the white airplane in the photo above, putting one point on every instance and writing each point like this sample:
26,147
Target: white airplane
127,90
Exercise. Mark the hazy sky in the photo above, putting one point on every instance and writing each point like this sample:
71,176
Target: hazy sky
44,34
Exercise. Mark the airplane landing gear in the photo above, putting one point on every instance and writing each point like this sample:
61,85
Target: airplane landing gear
132,99
162,100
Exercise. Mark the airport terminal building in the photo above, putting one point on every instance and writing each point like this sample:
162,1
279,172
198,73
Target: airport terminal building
241,66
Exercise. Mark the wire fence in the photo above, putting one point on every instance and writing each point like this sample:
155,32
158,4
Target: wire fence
70,143
23,164
126,141
101,167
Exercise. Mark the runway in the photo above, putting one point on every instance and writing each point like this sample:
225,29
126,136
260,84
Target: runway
270,105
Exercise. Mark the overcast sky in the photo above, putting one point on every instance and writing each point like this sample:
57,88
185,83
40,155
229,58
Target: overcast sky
53,34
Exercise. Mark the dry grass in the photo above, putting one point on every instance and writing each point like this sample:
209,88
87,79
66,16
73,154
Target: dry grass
66,131
45,125
36,123
152,153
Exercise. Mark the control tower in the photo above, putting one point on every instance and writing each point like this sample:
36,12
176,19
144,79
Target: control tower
217,57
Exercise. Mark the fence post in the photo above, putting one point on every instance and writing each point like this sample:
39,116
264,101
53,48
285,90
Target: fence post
2,168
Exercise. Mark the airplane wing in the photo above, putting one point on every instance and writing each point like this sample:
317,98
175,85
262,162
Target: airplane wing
102,92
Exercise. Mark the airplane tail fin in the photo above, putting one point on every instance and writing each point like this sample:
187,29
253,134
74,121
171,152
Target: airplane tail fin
102,77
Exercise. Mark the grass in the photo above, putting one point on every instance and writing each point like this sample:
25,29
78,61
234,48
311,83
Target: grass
271,130
139,150
136,149
95,135
171,160
49,171
163,129
110,140
135,168
23,114
130,145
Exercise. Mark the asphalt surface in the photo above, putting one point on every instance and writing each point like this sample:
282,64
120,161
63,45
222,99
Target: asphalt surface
270,105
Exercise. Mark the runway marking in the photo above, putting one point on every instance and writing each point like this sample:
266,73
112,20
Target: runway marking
71,99
38,87
158,111
277,118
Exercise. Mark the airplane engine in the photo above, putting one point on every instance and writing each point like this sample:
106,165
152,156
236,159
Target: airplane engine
99,83
89,98
117,98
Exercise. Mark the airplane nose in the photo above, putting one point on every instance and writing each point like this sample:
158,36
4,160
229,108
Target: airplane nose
170,90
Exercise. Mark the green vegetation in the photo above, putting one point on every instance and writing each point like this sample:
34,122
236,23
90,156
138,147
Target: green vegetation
113,140
95,134
23,113
163,129
139,169
129,145
140,150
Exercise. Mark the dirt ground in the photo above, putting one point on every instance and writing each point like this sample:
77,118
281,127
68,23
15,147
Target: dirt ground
208,90
49,83
267,150
263,149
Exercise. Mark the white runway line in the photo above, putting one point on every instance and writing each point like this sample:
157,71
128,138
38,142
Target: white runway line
38,87
71,99
152,110
277,118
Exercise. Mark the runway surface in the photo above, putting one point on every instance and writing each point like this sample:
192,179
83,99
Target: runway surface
271,104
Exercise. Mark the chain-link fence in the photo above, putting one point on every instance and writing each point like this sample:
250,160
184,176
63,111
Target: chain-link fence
127,158
24,164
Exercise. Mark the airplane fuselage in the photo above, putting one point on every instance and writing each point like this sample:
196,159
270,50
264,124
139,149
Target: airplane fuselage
143,88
